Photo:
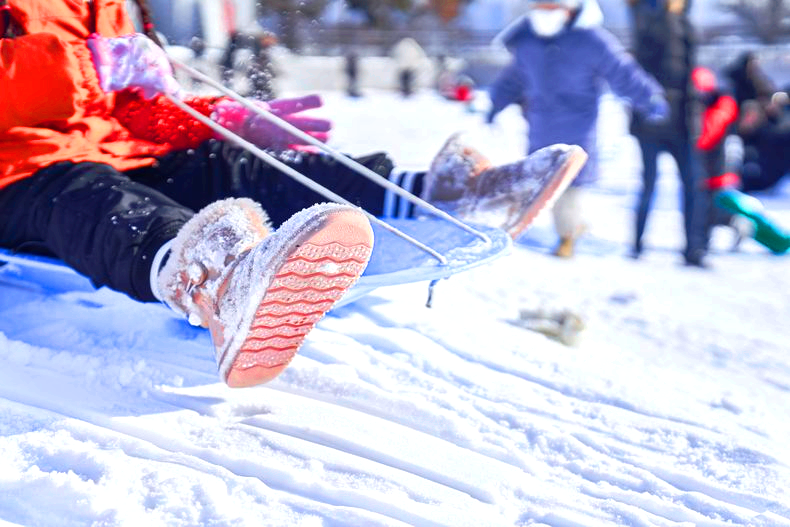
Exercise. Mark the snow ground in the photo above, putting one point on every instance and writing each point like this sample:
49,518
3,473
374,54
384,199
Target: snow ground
672,409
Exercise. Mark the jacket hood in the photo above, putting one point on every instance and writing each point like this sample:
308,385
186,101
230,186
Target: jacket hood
589,15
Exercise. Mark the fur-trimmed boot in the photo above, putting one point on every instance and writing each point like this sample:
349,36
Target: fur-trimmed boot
260,292
463,182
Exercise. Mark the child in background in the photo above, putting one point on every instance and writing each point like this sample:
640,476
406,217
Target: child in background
562,61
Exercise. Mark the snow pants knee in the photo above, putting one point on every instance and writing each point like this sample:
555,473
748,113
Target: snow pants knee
94,218
108,225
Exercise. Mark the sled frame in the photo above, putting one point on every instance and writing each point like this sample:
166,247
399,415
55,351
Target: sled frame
335,154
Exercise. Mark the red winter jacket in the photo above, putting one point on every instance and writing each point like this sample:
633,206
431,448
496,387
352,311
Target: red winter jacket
52,108
716,119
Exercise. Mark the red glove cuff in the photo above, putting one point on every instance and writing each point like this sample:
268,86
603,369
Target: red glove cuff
162,122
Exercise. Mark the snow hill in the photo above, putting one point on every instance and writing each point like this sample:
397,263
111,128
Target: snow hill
672,409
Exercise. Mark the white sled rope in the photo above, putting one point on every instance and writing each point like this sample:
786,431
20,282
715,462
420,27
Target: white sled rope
398,260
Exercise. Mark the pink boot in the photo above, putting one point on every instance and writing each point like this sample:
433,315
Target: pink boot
259,292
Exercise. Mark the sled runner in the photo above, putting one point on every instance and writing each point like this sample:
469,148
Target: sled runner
394,261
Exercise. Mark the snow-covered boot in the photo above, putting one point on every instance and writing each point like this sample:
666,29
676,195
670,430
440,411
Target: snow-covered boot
462,182
260,292
452,168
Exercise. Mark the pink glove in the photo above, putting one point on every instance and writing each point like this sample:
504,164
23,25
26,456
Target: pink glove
260,132
132,61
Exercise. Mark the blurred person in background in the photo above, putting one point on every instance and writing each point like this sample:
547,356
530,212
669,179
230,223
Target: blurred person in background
764,124
663,44
351,69
409,58
259,69
561,62
720,152
749,81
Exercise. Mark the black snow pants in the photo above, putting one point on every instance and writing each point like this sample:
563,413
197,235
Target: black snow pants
108,225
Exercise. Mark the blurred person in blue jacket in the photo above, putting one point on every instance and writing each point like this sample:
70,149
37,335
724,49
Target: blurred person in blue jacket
562,62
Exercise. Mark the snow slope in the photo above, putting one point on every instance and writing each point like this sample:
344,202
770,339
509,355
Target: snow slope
671,410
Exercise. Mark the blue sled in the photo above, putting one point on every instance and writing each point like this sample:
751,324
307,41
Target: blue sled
394,261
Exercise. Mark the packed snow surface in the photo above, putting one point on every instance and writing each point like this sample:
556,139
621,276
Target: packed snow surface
673,408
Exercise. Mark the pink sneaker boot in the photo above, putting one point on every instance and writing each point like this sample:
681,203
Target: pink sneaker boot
260,293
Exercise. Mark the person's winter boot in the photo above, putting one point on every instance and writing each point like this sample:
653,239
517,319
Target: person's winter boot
451,170
260,292
462,182
636,250
565,248
695,258
743,228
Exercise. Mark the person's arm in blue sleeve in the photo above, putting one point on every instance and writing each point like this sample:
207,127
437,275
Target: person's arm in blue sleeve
506,89
626,77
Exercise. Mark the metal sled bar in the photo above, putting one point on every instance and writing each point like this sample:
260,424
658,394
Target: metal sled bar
338,156
301,178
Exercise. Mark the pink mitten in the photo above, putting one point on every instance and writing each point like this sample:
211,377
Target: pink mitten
264,134
132,61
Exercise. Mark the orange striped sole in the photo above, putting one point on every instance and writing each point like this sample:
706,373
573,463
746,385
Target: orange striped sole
315,276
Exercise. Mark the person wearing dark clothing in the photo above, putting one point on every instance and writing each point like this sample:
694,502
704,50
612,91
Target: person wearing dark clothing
260,71
766,152
664,46
764,126
725,202
352,74
715,112
749,81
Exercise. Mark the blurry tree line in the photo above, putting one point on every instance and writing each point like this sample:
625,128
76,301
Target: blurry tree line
768,20
378,14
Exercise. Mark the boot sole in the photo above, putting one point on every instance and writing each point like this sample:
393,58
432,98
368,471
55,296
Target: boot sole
324,262
563,177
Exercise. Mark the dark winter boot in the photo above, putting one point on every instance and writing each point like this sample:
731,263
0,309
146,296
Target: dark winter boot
259,292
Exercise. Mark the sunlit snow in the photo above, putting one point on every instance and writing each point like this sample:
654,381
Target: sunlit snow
672,409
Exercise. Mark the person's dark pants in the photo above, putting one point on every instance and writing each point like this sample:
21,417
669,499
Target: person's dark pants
226,63
109,225
406,79
693,217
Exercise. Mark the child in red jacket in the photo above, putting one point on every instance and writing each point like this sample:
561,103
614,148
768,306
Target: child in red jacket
721,162
100,168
